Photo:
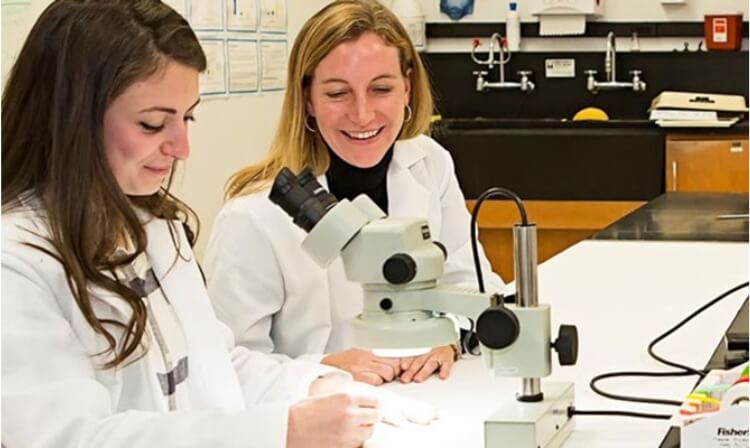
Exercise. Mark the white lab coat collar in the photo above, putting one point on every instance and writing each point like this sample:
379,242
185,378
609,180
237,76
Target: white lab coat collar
407,152
413,196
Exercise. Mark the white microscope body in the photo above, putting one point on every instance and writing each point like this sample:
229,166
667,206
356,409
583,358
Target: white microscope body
399,265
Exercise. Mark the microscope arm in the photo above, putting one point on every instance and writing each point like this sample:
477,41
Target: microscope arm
446,299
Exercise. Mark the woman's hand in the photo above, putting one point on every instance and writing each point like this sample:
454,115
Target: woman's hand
420,368
364,366
392,408
339,419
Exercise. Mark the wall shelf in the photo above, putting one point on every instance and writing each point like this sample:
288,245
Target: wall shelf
593,29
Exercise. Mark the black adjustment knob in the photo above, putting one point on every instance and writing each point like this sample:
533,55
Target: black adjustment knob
386,304
399,269
497,327
566,345
442,247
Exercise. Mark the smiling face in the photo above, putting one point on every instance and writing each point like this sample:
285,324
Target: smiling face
358,96
145,128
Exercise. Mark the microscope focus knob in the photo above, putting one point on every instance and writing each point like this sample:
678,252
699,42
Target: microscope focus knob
566,345
399,269
497,327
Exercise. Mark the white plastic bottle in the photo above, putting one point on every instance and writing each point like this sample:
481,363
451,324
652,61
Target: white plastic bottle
513,27
413,19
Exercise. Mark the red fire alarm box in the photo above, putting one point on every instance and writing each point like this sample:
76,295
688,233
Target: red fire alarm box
723,32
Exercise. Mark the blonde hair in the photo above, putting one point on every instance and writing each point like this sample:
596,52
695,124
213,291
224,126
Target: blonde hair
293,146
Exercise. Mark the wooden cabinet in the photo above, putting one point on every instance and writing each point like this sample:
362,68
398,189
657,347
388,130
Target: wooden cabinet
715,163
560,224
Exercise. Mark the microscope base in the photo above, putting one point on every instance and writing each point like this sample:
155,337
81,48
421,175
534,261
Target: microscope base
544,424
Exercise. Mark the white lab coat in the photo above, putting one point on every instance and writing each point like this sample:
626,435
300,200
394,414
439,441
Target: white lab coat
54,395
277,300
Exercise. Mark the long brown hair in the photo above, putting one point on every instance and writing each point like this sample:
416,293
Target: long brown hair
340,21
79,56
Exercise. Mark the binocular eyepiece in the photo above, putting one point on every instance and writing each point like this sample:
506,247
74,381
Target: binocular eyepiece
301,197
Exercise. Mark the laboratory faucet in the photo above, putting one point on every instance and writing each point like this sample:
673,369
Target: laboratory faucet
497,41
609,57
611,83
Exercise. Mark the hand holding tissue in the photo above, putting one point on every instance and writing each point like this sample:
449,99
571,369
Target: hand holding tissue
395,409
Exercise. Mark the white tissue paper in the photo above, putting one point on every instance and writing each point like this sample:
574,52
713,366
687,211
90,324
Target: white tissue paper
396,409
562,25
400,411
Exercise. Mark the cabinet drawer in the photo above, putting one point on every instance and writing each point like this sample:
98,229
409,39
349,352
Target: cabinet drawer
717,165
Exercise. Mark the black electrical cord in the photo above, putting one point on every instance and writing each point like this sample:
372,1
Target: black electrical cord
573,411
468,342
701,373
492,192
685,370
649,400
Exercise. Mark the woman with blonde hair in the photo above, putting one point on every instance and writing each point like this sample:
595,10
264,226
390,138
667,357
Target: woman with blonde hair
356,110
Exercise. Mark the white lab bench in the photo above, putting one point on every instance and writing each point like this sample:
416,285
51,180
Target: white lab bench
620,295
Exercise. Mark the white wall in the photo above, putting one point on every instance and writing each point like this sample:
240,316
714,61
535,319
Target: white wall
16,24
614,10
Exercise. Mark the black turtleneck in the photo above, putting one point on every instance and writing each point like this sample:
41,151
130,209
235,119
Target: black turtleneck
347,181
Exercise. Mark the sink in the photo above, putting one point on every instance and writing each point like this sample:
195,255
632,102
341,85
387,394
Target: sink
554,159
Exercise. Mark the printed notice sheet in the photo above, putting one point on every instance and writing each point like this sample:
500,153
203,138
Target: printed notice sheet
273,64
273,16
242,15
242,57
207,15
213,80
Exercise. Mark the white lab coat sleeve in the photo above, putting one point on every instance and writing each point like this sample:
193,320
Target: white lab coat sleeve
51,397
266,378
245,281
455,234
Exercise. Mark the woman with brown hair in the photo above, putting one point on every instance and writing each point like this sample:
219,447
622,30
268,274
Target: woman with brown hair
108,336
356,110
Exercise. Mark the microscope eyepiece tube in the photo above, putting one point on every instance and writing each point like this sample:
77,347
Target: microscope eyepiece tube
308,181
305,204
